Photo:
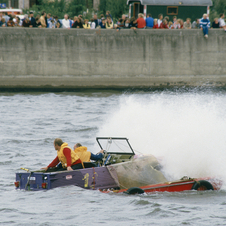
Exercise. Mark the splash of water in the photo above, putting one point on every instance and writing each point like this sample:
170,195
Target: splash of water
185,130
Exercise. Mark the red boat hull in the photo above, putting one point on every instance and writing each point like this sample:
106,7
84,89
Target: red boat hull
177,186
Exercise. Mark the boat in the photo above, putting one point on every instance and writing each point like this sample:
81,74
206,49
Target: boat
120,170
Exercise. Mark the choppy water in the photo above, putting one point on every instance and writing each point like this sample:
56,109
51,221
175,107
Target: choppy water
186,129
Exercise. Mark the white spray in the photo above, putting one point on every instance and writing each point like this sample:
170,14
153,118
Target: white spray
187,131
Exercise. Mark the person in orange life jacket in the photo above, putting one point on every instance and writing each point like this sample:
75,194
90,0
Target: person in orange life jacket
66,156
85,155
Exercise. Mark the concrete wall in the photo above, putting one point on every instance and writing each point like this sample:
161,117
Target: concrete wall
106,58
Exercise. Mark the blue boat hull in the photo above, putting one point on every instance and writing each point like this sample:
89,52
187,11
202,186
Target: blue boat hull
91,178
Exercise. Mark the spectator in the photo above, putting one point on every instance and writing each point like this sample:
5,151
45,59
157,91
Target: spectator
95,20
58,24
141,23
80,17
93,24
155,26
166,18
66,22
120,23
133,23
205,24
222,22
103,24
176,24
170,25
195,24
3,23
149,21
160,17
123,19
26,22
43,20
174,19
100,20
17,23
5,15
32,19
181,24
86,25
164,24
109,24
77,23
108,14
127,24
215,23
37,22
75,20
187,24
49,20
10,22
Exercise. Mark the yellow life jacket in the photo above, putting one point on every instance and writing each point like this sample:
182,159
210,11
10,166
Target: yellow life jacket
62,158
83,154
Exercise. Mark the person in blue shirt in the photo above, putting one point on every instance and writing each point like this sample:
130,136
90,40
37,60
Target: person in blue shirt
149,21
205,24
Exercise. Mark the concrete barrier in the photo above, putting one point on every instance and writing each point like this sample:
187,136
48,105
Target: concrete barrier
79,58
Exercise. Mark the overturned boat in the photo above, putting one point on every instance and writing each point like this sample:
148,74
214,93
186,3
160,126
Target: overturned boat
119,171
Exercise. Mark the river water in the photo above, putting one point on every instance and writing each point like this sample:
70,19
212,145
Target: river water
183,128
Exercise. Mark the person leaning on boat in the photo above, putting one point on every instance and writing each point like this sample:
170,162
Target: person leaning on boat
68,158
85,155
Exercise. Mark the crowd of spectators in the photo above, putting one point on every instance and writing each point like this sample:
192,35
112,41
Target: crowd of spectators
106,22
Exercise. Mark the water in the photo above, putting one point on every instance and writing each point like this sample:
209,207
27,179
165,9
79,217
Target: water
184,129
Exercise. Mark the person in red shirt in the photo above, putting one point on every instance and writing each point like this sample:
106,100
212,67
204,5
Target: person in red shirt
164,24
66,156
156,26
141,23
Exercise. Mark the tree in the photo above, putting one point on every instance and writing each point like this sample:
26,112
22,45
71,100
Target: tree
219,6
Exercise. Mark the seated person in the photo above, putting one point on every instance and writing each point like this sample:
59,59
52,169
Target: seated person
66,156
85,155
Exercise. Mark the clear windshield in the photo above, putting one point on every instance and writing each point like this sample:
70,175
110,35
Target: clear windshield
115,145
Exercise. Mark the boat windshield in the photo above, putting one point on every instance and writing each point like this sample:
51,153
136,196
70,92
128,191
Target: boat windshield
115,145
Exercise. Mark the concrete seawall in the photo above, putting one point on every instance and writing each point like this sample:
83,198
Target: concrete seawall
74,59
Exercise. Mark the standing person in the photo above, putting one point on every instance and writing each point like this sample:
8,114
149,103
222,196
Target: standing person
109,24
156,26
57,22
215,23
95,20
181,24
68,158
164,24
196,24
5,15
37,22
86,25
66,22
141,23
26,22
77,23
103,24
43,19
222,22
49,20
149,21
187,24
160,17
10,22
92,24
205,24
133,23
32,19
